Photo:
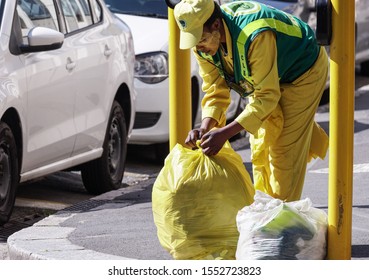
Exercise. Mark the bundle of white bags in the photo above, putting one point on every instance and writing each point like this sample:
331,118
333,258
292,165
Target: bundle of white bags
271,229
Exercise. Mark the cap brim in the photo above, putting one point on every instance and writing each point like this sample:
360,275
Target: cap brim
188,40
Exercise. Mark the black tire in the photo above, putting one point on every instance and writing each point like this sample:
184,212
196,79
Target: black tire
106,173
161,152
9,172
364,68
195,98
325,97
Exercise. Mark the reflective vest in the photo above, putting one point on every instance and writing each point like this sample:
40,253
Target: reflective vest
297,48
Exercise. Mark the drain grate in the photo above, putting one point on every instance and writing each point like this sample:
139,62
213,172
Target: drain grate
26,217
21,218
10,228
83,206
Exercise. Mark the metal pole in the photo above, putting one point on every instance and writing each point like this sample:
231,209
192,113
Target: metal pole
341,129
179,87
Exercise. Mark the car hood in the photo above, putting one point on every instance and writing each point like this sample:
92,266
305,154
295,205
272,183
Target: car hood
149,34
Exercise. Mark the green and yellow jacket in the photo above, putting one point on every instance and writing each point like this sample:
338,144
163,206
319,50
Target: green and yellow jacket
290,47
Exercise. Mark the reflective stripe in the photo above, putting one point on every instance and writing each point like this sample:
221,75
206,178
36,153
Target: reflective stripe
241,52
280,26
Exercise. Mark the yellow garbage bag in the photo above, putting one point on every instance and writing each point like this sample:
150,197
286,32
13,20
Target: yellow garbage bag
195,200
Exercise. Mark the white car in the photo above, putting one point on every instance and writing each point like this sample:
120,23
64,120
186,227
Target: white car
148,20
67,99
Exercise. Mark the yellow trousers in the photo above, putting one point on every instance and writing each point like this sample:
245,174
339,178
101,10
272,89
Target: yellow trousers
290,138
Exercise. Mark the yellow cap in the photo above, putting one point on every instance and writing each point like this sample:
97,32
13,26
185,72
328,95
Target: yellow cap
191,16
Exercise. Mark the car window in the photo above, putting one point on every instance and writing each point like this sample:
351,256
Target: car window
34,13
86,10
98,11
77,14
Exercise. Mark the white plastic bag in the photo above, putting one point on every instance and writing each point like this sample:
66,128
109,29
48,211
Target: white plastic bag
271,229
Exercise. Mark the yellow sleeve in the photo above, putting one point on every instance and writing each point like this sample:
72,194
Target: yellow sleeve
217,97
262,57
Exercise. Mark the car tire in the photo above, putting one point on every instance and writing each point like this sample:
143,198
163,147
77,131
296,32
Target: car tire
364,68
161,152
106,173
9,172
325,97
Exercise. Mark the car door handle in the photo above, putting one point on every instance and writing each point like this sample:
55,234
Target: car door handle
107,51
70,64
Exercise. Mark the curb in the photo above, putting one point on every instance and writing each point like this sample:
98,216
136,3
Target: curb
47,240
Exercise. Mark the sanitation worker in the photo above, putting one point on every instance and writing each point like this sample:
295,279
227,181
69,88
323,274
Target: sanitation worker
273,58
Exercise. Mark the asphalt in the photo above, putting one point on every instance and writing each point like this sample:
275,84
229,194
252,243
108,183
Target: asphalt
119,224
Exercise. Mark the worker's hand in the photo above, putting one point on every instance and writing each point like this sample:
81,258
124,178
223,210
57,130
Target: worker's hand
213,141
193,136
197,133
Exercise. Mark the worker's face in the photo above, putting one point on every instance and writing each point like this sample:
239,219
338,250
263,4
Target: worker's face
209,42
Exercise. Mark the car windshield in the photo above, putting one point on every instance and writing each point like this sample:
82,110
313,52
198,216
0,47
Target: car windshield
147,8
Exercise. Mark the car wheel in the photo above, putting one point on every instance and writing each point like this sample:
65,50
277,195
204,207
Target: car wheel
106,173
364,68
325,98
9,174
195,98
161,152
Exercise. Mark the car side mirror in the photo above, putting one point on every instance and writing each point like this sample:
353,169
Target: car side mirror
42,39
172,3
323,22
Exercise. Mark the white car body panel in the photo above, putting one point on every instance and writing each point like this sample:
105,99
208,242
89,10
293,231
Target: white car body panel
49,138
91,104
149,34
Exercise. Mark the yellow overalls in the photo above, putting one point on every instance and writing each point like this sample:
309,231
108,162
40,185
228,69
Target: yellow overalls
279,117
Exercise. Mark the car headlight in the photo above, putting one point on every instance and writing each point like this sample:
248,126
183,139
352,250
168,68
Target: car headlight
152,67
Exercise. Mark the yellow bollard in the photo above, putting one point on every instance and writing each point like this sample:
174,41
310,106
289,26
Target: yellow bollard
341,129
179,87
